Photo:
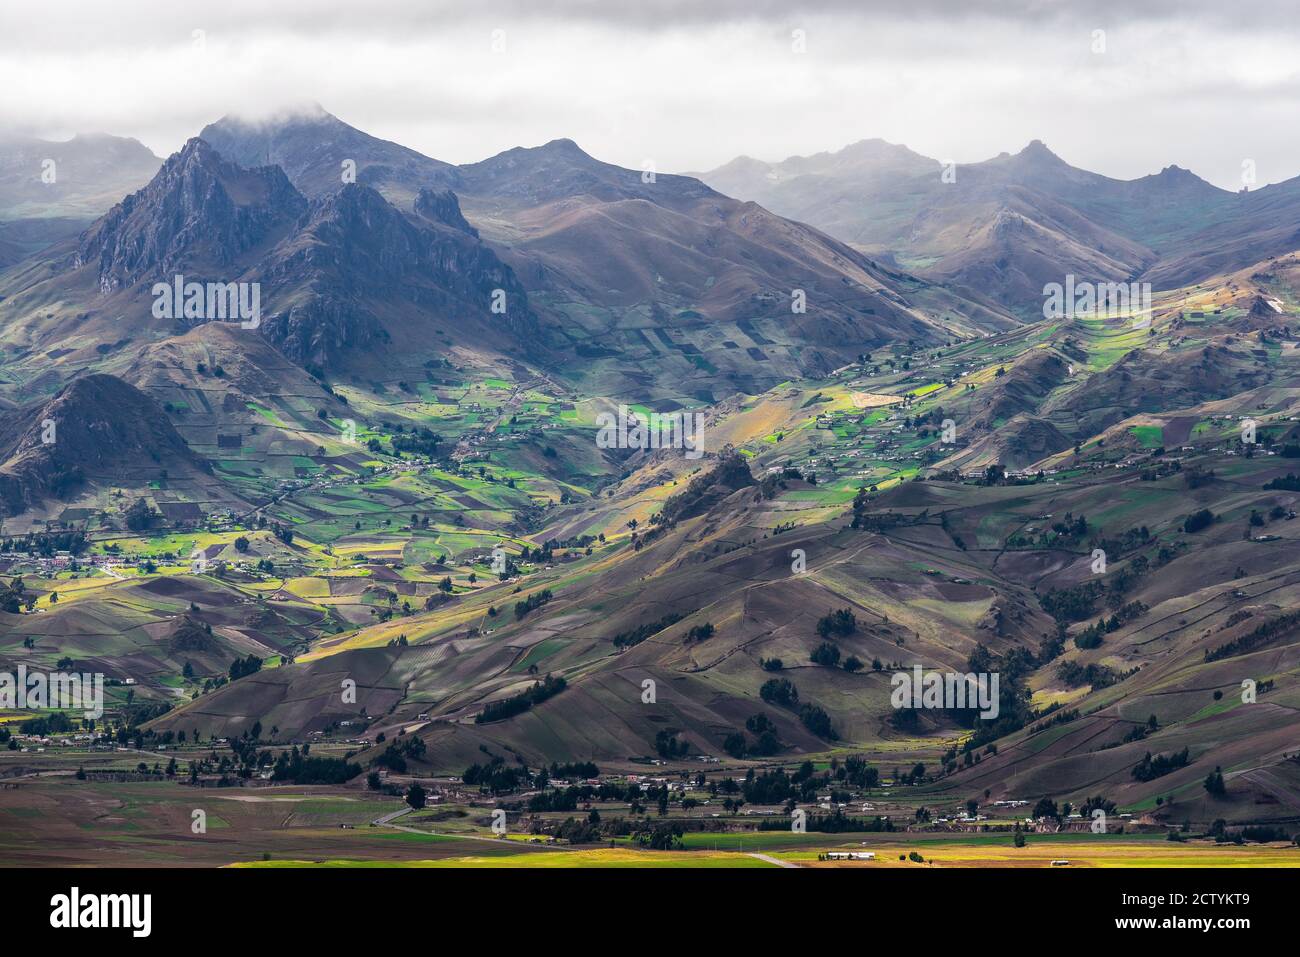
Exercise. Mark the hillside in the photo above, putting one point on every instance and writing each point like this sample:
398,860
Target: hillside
98,430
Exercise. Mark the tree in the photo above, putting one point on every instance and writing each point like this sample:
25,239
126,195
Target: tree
415,796
826,654
242,667
11,597
1214,783
241,544
842,623
700,633
780,691
1019,837
140,515
1198,520
759,723
817,721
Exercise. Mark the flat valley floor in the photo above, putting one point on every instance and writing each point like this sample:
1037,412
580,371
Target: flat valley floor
54,820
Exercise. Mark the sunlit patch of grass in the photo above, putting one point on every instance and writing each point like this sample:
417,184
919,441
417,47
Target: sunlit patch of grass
1149,436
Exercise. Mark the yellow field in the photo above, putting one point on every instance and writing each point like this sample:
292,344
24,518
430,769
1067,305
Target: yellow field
606,857
1078,853
72,589
380,634
308,587
371,549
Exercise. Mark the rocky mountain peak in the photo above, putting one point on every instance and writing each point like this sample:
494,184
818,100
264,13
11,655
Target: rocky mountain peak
200,212
442,206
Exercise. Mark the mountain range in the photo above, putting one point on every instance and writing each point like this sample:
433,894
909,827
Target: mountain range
1008,225
389,474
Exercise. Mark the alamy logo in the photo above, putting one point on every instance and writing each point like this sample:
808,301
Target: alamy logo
60,691
214,300
1093,300
662,430
134,911
945,691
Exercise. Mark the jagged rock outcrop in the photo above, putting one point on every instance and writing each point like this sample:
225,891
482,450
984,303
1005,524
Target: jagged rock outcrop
328,269
353,248
442,206
199,214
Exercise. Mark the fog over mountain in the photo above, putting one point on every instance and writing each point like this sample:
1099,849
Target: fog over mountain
686,86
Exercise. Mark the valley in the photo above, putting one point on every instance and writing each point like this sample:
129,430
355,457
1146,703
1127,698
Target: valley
368,555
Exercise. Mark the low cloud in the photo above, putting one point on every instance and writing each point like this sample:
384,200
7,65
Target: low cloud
684,85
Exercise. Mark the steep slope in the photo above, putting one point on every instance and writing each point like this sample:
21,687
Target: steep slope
50,191
633,269
201,213
98,429
221,415
1251,228
345,279
21,238
643,267
830,190
1144,381
149,629
353,254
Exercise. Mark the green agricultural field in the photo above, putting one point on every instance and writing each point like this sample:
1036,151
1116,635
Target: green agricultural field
1148,436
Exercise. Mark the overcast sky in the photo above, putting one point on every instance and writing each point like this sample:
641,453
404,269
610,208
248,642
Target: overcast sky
686,84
